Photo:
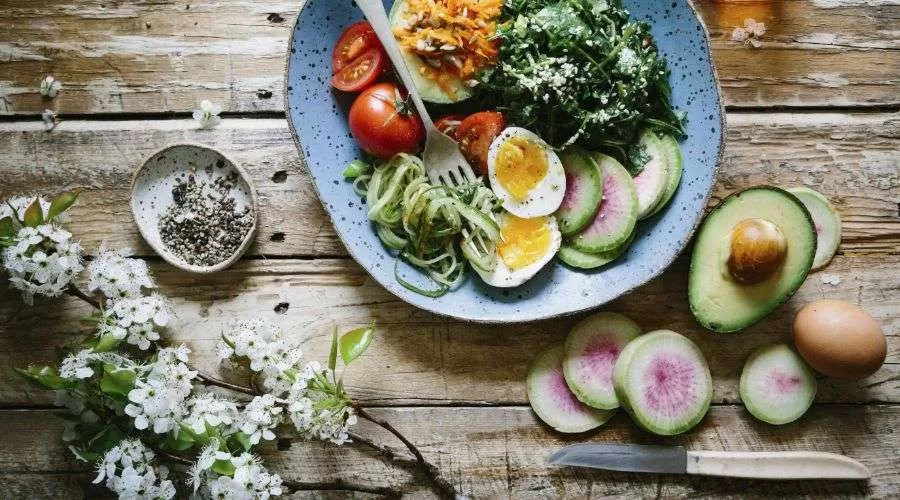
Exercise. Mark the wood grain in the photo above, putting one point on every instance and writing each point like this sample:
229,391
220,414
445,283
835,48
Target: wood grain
165,56
852,158
501,452
419,358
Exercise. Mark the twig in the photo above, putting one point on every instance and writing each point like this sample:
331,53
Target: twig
388,453
175,458
75,292
207,380
443,488
294,486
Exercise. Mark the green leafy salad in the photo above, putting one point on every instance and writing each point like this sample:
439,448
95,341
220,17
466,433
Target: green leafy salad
580,72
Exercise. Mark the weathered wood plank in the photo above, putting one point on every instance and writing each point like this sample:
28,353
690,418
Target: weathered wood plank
420,358
853,158
502,452
166,56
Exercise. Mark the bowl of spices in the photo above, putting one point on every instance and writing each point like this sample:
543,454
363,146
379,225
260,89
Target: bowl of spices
196,208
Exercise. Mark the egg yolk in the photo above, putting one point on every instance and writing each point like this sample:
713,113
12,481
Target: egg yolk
520,166
523,241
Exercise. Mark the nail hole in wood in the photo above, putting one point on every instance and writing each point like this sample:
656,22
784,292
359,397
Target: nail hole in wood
282,307
279,176
277,237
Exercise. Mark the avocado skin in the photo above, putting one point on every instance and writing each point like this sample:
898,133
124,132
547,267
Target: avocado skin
796,280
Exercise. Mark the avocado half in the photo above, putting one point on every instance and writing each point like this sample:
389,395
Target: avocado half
429,90
721,303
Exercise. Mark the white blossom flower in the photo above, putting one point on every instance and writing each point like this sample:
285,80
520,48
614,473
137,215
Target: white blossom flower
208,114
269,353
50,86
42,261
50,118
750,33
312,417
20,204
129,471
200,472
77,366
159,394
136,320
118,277
259,417
209,409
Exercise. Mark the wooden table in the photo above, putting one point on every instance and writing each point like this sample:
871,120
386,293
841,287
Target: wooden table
817,105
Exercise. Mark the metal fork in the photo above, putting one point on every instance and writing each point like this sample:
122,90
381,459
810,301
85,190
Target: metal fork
444,163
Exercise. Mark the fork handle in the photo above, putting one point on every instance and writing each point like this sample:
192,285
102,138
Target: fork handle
377,17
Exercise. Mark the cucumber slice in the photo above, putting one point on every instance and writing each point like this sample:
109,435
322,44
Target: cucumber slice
827,222
428,89
592,348
652,181
617,214
553,402
672,152
584,192
584,260
662,380
777,386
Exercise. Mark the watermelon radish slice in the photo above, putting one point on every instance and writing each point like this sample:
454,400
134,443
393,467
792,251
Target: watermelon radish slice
584,260
662,380
777,386
651,182
552,400
592,348
827,222
672,152
617,214
584,191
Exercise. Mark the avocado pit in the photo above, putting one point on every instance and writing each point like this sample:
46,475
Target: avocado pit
758,249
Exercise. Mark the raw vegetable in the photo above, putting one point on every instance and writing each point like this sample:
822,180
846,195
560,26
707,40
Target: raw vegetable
584,260
449,125
580,72
383,123
653,178
426,223
777,386
584,192
475,134
553,402
617,214
672,152
827,222
591,351
662,380
361,72
355,40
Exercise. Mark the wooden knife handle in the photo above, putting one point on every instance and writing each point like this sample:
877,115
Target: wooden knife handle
775,465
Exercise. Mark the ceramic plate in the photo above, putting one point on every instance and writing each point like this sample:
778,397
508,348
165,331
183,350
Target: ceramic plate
317,116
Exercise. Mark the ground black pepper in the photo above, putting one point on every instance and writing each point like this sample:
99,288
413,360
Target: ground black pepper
204,225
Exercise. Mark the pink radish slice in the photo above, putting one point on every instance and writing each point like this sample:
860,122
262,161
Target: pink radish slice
592,349
584,190
651,182
552,400
617,214
662,380
777,386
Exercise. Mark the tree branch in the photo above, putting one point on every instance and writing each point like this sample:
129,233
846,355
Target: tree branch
76,292
386,452
207,380
339,485
443,488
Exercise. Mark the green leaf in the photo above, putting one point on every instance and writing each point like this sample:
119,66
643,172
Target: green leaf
34,215
180,439
332,355
242,440
105,439
106,343
117,382
355,342
7,227
223,467
61,203
46,376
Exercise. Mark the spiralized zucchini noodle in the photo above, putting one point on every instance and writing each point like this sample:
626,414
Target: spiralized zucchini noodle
435,228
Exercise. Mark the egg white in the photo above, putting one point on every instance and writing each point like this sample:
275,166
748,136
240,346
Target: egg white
546,196
504,277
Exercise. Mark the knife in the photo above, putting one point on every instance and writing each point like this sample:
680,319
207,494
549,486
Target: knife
678,460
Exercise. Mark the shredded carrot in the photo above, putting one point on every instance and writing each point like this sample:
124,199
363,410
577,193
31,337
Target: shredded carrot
455,38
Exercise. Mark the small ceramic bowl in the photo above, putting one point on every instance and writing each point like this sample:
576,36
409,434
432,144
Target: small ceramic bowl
151,195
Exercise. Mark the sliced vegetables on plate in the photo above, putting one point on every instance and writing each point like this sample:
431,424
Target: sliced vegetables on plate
617,214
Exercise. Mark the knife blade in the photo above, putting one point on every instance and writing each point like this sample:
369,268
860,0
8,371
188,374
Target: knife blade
678,460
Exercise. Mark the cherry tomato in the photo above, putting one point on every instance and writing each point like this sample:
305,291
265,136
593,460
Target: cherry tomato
355,40
475,135
449,124
361,72
383,123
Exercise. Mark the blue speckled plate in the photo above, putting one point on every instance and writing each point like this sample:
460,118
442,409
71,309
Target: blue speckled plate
317,117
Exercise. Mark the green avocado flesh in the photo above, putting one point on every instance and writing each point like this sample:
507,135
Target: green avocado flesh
429,90
721,303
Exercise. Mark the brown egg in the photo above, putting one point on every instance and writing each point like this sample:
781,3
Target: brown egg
839,339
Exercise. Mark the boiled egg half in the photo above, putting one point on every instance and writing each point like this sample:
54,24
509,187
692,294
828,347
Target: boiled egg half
525,246
525,173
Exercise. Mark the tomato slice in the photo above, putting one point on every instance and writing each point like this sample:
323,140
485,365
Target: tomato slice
361,72
475,135
355,40
449,124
